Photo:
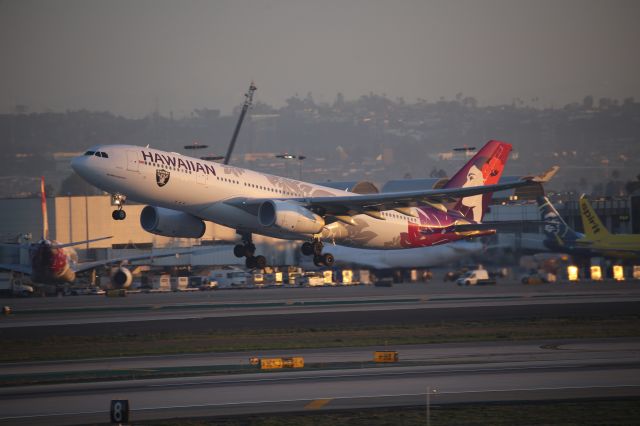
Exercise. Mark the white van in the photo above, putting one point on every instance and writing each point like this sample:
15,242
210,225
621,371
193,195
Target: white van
475,277
229,278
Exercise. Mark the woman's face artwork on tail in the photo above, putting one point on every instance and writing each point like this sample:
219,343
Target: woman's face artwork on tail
484,171
474,203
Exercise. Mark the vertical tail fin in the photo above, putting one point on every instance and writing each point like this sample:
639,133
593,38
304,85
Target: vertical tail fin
45,217
485,168
555,228
593,227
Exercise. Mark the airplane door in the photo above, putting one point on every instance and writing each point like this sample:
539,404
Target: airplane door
132,161
201,178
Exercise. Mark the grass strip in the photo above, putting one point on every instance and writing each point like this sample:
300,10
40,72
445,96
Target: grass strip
55,347
618,412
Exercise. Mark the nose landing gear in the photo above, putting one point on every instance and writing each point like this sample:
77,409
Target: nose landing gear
118,200
315,248
248,249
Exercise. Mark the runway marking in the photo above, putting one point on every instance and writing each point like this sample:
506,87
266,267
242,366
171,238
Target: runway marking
317,404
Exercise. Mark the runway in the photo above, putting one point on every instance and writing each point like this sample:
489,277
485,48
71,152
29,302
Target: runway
269,308
469,372
334,378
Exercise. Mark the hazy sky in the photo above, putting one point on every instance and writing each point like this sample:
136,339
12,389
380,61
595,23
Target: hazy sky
129,56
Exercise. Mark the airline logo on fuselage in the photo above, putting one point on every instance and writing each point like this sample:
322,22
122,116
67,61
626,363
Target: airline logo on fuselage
590,219
157,159
162,177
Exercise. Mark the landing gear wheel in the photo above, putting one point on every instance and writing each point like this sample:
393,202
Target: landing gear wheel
250,262
261,262
317,247
249,250
239,250
317,260
118,215
307,249
328,259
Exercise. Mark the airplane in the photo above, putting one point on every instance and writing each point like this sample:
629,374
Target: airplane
419,257
615,245
183,192
51,262
596,241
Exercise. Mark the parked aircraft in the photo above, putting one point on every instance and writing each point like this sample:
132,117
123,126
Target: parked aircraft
183,192
51,262
420,257
615,245
596,241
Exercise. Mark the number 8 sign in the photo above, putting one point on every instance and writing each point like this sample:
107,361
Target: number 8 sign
119,411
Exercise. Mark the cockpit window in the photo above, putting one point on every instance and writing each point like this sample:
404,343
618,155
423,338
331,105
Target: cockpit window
97,154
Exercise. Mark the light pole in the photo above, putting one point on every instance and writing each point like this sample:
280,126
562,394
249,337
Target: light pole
429,391
286,156
300,158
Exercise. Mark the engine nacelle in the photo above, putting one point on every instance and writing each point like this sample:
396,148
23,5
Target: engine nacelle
171,223
121,278
290,217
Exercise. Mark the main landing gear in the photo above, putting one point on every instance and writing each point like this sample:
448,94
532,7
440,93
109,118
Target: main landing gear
118,200
248,249
315,248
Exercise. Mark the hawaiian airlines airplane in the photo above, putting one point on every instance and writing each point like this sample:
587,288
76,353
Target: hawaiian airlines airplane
51,262
183,192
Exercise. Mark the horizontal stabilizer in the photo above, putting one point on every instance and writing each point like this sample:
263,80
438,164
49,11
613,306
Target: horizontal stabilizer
544,177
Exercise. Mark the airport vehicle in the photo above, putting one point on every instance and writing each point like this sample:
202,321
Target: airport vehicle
228,278
596,241
14,287
538,278
51,262
475,277
183,192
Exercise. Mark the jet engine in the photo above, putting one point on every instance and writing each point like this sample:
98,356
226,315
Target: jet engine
171,223
121,278
290,217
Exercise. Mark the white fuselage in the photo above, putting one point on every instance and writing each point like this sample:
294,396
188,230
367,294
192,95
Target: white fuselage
419,257
200,188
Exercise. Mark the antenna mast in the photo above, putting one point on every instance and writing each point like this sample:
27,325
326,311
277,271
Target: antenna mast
248,99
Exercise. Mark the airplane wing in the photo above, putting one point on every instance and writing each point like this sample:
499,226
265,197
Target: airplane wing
372,203
85,266
501,225
15,267
77,243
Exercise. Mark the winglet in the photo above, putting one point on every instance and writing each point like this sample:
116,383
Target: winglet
544,177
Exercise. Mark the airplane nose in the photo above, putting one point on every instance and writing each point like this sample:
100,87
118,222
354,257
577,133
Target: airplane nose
77,163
